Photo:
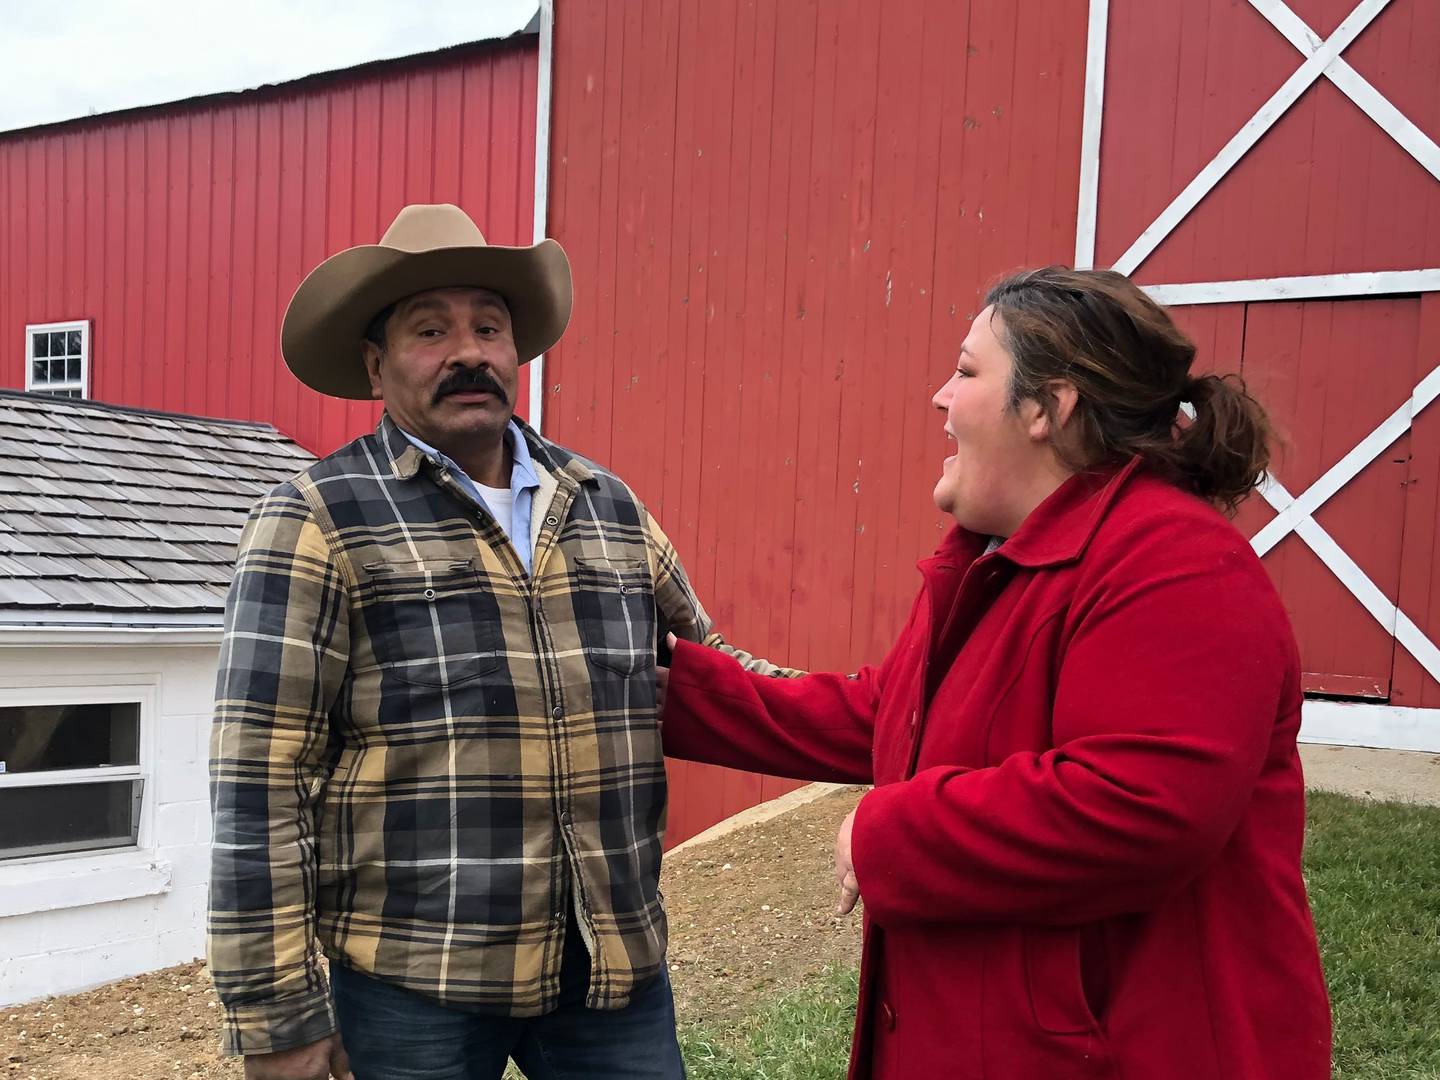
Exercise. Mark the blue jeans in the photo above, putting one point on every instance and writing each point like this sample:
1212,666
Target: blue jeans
394,1034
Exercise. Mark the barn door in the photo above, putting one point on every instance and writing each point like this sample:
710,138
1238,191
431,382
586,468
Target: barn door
1331,373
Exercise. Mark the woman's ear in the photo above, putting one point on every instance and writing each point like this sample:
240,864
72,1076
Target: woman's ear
1046,423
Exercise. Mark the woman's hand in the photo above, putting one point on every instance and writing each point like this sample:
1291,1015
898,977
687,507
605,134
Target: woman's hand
845,868
662,678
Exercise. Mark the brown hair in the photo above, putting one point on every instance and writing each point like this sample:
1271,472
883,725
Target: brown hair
1130,365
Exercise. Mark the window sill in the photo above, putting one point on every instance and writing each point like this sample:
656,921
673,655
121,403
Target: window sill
52,884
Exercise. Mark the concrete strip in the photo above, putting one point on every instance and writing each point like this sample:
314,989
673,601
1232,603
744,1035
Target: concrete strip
765,811
1389,775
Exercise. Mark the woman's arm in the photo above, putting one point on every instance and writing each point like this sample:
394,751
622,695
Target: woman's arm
815,727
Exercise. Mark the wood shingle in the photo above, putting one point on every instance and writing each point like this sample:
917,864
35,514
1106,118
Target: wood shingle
119,515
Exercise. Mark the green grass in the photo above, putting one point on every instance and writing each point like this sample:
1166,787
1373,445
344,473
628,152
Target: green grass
1374,876
801,1036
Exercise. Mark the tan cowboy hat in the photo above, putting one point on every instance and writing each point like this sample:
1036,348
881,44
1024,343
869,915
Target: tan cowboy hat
426,247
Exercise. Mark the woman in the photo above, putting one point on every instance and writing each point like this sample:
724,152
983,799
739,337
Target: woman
1081,857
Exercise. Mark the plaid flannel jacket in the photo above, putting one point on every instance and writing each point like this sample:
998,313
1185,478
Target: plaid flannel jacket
421,756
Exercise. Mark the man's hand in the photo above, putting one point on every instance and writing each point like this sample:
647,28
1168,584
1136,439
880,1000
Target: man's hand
845,868
318,1061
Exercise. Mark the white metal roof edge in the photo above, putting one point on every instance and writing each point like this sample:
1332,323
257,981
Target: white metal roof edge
530,28
44,629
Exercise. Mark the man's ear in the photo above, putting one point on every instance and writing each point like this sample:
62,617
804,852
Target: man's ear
372,354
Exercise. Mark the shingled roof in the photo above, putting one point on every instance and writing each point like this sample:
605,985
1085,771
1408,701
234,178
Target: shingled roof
114,516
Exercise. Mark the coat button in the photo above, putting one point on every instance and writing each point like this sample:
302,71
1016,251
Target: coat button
429,594
557,713
887,1016
552,520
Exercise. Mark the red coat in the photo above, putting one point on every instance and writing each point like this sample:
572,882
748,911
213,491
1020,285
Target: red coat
1082,854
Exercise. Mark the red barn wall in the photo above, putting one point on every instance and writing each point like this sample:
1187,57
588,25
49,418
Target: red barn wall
182,231
781,218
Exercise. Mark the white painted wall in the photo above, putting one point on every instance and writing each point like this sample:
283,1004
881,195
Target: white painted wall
75,921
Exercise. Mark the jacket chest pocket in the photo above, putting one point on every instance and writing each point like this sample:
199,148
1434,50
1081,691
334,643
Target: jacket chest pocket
615,613
430,622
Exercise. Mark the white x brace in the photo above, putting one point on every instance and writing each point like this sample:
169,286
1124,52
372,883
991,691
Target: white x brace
1322,58
1297,516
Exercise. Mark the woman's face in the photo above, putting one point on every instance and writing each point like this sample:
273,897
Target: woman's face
1003,465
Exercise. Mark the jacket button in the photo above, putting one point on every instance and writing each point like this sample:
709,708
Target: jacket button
552,520
887,1015
557,713
565,819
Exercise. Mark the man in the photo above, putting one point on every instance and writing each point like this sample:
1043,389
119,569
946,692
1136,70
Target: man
435,754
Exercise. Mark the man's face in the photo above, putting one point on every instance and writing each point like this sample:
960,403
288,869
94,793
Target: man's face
448,372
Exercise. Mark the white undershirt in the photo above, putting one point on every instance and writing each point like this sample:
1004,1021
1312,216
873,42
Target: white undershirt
501,504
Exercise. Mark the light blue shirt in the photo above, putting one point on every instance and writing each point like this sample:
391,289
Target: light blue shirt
523,484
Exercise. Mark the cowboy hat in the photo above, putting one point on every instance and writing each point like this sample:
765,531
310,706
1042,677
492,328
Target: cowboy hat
426,247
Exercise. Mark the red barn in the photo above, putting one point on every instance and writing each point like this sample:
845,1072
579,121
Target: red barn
160,246
782,217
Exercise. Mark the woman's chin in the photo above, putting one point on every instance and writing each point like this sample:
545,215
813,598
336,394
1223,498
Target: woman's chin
943,497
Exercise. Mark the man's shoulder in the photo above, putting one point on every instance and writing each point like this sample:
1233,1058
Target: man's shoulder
359,459
355,460
557,458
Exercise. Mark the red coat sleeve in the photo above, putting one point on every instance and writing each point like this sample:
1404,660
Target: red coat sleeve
1166,702
815,727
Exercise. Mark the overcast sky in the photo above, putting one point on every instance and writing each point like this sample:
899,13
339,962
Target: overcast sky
60,59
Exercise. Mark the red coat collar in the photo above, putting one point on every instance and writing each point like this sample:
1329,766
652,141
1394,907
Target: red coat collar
1057,531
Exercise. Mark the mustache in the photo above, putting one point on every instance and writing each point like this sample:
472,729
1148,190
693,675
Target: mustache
462,379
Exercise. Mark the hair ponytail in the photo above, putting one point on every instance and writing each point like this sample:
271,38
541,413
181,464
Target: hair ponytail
1222,452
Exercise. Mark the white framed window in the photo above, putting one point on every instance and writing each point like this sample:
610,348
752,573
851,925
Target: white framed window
57,358
72,770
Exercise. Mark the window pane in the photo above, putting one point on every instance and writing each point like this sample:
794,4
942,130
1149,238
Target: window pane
57,343
72,369
73,344
41,343
57,368
70,393
69,817
38,737
39,371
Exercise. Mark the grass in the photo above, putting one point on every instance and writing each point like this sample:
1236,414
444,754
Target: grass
802,1036
1374,876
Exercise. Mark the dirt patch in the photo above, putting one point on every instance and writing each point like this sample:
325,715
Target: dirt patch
753,912
750,913
165,1024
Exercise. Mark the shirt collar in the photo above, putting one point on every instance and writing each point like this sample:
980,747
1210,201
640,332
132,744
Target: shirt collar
407,451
